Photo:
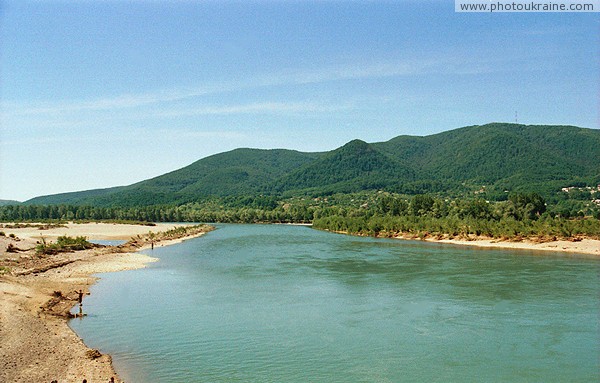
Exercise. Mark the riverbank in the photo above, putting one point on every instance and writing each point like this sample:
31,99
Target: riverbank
38,292
582,246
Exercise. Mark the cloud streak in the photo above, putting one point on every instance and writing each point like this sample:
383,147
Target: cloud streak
255,108
125,101
358,71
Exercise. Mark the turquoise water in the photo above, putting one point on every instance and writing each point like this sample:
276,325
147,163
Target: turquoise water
108,242
260,303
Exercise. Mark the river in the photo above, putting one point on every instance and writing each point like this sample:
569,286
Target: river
277,303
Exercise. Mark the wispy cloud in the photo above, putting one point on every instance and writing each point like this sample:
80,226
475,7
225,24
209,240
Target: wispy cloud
356,72
179,134
254,108
164,98
78,122
125,101
128,101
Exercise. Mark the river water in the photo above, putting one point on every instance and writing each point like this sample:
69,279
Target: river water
275,303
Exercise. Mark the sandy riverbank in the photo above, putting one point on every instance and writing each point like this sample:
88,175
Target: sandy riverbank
89,230
584,247
37,344
587,247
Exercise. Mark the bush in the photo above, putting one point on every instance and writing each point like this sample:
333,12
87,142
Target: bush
77,243
64,243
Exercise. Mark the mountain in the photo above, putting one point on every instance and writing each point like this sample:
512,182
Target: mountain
4,202
355,166
504,156
238,172
498,156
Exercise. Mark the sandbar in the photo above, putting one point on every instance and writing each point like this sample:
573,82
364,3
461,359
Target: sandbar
38,292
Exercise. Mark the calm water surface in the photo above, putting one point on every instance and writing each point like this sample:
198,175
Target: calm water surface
259,303
108,242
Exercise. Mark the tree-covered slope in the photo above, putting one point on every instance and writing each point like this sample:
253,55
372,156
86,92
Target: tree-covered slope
353,167
5,202
507,156
237,172
500,156
74,198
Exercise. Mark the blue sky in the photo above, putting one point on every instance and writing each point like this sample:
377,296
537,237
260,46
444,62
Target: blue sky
105,93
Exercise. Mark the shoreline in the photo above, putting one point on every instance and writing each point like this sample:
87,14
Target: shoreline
584,247
581,247
38,295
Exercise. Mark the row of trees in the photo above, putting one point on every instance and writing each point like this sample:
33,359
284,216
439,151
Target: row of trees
195,212
520,206
425,226
524,214
72,212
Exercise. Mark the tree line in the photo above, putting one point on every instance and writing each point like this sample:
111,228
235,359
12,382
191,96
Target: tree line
373,213
522,215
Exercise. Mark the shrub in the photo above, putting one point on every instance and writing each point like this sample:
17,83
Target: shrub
63,243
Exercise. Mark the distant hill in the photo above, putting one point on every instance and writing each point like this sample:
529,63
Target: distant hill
504,156
238,172
5,202
355,166
500,157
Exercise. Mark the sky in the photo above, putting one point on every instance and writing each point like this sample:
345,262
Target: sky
104,93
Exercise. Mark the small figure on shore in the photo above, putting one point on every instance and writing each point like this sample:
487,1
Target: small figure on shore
80,295
112,380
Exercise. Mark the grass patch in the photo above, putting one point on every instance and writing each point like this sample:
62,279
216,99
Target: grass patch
63,244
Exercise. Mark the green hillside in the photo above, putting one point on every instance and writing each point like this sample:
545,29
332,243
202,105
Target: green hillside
74,198
494,157
504,156
5,202
353,167
238,172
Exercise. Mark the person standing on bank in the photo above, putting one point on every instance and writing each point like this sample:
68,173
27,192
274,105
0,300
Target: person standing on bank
80,295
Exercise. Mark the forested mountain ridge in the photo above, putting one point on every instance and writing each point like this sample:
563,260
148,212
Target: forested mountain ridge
504,156
497,157
237,172
355,166
494,151
240,171
4,202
